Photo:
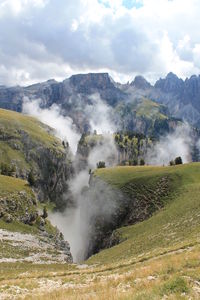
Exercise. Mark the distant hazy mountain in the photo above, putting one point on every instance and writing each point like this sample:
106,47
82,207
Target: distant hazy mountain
181,97
137,106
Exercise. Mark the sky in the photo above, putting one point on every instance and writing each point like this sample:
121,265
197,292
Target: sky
44,39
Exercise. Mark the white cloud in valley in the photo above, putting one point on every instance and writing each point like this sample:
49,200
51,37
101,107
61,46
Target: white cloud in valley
63,126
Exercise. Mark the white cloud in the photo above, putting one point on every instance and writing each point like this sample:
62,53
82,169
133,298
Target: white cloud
100,115
41,39
15,7
64,127
171,146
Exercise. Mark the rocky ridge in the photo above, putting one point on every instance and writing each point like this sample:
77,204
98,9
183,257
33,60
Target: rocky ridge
77,94
181,97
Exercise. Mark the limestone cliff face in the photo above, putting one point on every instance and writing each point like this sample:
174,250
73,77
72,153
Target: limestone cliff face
52,168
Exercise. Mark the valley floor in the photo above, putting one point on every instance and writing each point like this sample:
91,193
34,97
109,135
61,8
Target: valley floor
172,275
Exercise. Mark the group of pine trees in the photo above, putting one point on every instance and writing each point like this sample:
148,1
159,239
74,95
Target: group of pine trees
132,148
177,161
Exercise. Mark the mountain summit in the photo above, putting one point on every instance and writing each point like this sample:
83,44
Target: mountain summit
170,84
140,83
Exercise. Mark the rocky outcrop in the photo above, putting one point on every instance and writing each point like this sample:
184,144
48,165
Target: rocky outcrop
37,249
87,83
21,207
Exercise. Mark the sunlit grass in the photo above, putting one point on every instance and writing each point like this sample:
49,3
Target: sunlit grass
13,185
11,122
177,224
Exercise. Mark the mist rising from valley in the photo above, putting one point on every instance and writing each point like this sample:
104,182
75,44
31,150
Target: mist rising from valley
64,127
77,221
172,145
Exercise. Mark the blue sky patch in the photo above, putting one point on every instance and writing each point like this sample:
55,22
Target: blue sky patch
132,3
126,3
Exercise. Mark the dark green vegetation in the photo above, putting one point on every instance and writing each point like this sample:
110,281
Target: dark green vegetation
145,116
8,170
178,160
29,150
131,148
31,178
101,164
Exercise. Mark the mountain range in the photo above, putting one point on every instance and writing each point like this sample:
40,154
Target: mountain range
136,106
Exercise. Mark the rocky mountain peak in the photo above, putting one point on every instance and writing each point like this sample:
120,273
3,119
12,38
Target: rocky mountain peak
170,84
171,75
140,83
87,82
51,81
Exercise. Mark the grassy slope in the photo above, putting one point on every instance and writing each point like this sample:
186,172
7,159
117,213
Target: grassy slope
159,260
144,107
11,124
177,224
150,109
12,185
13,121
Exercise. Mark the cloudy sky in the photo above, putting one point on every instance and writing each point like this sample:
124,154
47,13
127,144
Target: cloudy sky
42,39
